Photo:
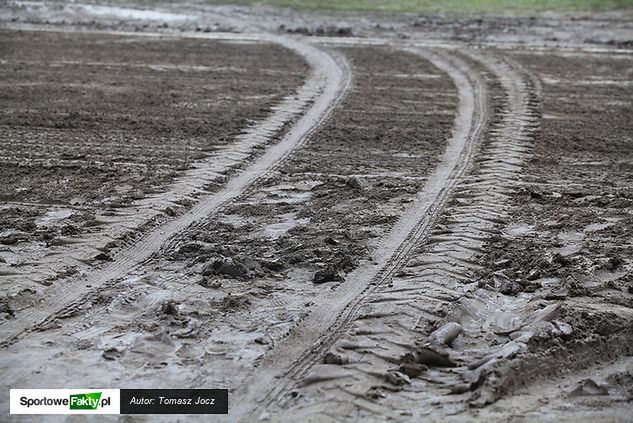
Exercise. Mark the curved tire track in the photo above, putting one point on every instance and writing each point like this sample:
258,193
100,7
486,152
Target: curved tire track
389,325
334,312
127,225
325,88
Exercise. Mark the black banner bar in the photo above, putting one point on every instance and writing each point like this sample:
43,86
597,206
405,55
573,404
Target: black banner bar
174,401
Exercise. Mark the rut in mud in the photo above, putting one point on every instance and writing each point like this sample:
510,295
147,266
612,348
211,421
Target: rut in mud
426,271
102,155
566,241
163,300
324,89
419,231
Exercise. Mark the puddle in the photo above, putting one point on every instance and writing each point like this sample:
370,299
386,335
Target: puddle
518,229
287,193
276,230
589,82
54,216
125,13
594,227
572,242
597,227
550,283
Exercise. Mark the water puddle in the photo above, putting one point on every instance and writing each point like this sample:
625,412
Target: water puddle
54,216
277,230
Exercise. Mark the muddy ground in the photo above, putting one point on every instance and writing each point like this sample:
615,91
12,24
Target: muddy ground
92,123
322,211
332,227
600,28
568,236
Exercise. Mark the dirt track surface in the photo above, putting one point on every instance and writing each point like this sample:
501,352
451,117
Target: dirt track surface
333,228
93,124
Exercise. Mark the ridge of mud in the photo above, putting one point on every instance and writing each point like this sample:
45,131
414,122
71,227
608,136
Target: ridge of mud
333,317
325,86
382,361
121,185
566,238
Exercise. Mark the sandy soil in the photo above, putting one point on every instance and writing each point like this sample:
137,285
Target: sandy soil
336,218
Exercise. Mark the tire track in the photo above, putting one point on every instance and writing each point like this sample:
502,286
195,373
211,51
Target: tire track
127,225
394,318
327,85
334,312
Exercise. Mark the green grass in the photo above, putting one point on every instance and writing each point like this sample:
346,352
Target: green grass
443,6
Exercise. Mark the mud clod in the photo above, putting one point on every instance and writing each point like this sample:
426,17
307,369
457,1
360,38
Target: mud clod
532,196
376,392
331,241
233,268
104,257
232,303
589,387
210,283
335,358
354,182
169,308
273,265
328,274
6,309
189,248
112,354
429,356
613,263
412,369
446,334
397,378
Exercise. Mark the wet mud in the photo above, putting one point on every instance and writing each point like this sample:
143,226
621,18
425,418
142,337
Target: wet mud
94,124
402,227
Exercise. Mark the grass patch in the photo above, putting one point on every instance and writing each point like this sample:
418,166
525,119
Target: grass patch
442,6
